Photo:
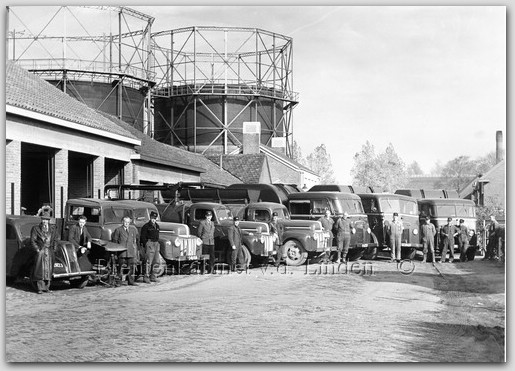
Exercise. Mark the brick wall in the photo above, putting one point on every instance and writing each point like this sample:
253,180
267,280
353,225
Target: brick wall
61,180
12,175
98,176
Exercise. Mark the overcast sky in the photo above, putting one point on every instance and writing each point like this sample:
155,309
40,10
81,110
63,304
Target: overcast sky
429,80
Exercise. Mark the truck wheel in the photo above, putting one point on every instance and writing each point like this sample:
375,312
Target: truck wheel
295,254
370,253
162,267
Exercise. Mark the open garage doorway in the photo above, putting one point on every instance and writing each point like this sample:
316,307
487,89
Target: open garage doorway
37,177
80,175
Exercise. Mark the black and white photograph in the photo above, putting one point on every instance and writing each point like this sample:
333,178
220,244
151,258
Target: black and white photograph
256,184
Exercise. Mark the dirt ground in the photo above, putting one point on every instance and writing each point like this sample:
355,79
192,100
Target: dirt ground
370,312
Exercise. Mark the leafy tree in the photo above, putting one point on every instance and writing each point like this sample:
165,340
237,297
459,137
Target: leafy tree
383,172
437,168
296,154
485,163
459,172
320,162
414,169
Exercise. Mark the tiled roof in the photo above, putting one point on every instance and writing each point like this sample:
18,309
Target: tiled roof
247,167
173,156
496,185
28,91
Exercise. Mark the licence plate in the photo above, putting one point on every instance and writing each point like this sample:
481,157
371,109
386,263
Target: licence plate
407,244
364,245
191,257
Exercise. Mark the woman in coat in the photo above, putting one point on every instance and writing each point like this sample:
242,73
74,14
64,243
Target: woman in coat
43,239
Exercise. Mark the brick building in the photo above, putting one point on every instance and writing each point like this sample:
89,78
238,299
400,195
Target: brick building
59,148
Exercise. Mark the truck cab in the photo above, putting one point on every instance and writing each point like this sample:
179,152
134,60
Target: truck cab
299,237
104,216
312,205
256,237
379,208
439,209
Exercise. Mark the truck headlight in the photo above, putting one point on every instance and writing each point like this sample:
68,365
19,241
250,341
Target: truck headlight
369,230
168,243
415,231
199,241
262,239
177,242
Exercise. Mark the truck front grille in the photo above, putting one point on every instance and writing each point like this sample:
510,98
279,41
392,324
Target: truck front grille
320,238
188,246
268,244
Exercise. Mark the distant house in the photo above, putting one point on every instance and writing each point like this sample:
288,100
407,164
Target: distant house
488,189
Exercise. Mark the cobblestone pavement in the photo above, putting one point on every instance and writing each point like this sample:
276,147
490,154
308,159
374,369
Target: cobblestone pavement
454,312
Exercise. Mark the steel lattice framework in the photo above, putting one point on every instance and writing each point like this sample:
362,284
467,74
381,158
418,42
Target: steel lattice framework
102,44
198,63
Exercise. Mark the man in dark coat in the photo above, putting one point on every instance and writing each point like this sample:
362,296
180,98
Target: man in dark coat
127,236
149,239
234,234
344,228
447,233
463,240
80,237
206,232
428,233
43,239
492,246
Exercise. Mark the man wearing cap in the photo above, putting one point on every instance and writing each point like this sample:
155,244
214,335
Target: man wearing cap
206,232
447,233
327,225
276,231
394,229
344,228
43,240
234,234
428,233
149,239
463,240
127,236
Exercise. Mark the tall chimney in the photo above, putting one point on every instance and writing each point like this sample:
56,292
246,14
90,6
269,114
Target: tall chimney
499,147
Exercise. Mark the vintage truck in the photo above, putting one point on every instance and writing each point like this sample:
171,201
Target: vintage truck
179,249
379,208
300,237
258,245
312,206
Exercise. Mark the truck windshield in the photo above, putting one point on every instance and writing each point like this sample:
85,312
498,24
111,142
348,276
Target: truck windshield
116,214
347,204
467,211
282,213
390,205
223,214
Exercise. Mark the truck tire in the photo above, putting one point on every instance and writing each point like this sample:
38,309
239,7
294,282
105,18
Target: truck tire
370,253
295,253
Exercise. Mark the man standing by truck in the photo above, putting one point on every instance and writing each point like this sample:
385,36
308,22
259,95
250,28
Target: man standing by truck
206,232
327,225
234,234
150,241
344,228
395,228
463,240
448,232
428,233
276,232
127,236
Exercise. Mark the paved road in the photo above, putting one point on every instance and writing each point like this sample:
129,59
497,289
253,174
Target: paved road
306,314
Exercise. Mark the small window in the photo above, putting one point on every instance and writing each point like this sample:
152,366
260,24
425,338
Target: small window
262,216
92,213
320,206
300,208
